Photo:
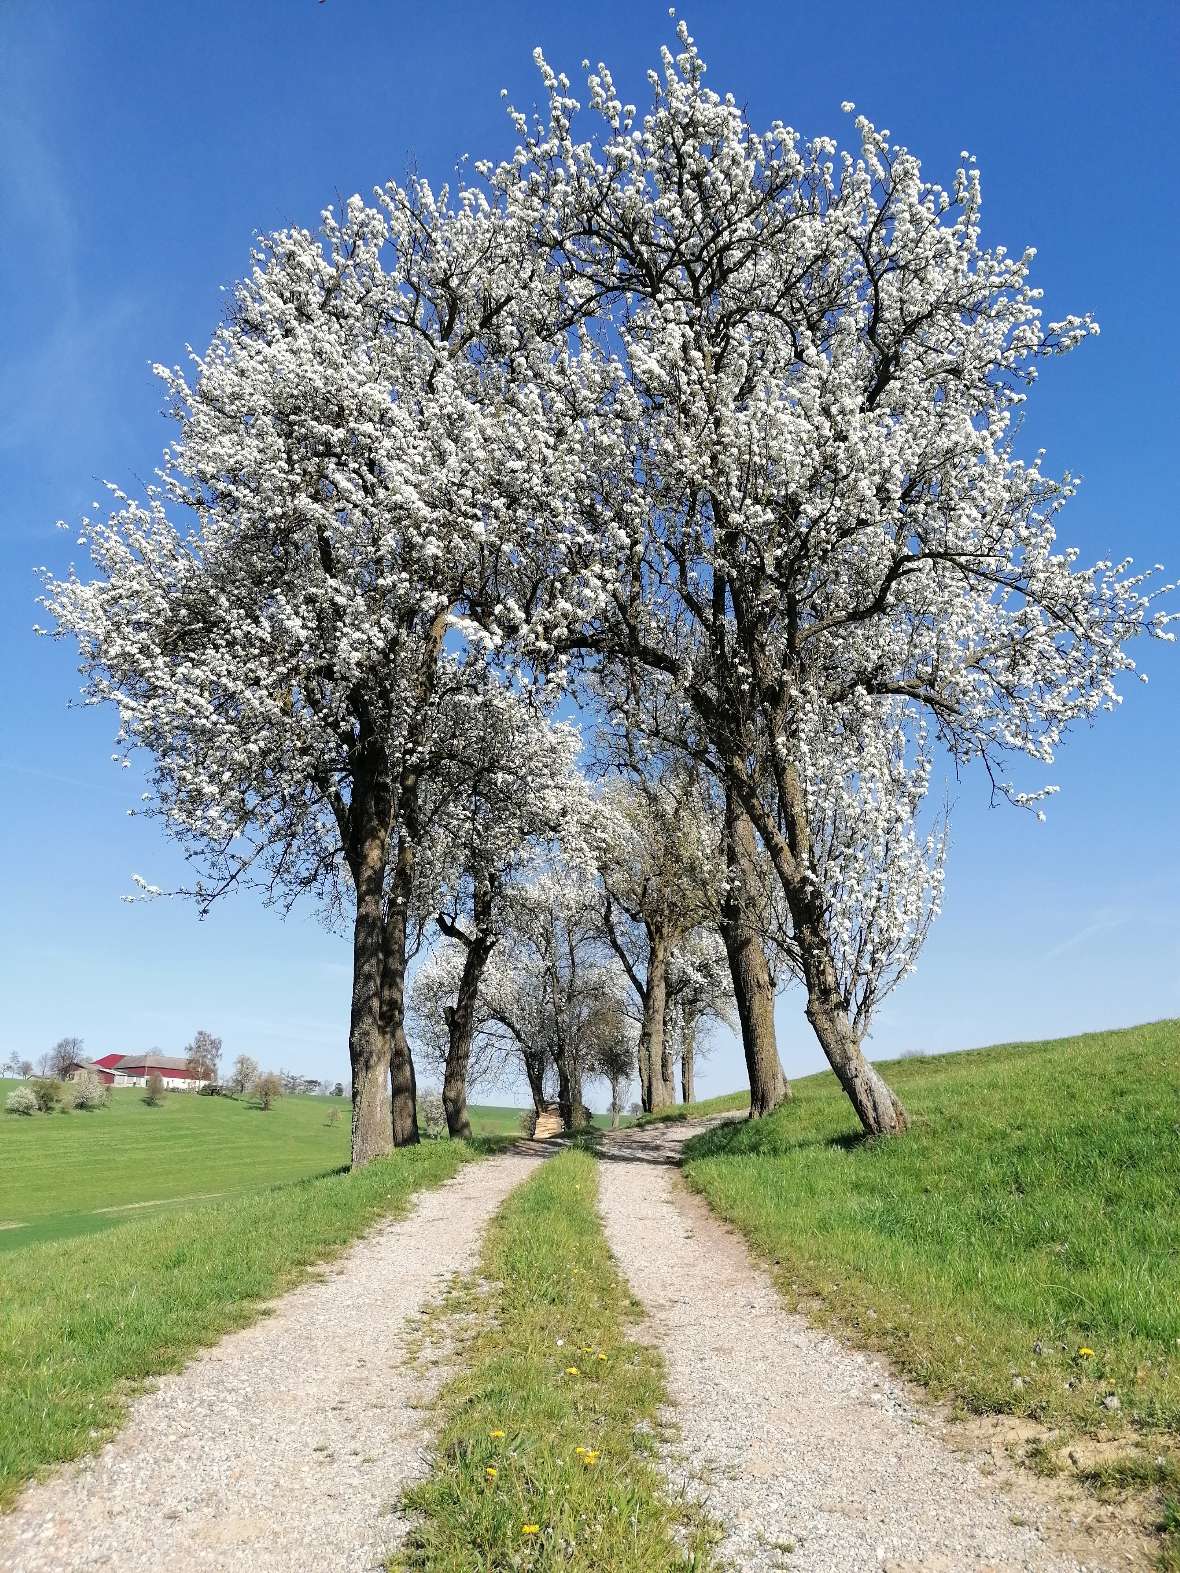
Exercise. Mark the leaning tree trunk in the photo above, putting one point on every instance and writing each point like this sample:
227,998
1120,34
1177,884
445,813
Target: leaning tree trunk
643,1065
752,989
651,1031
878,1109
368,1052
534,1069
461,1027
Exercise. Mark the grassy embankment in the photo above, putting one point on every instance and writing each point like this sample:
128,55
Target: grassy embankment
545,1457
83,1320
79,1173
1018,1251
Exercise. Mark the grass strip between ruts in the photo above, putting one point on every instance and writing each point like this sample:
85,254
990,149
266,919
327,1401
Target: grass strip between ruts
82,1322
546,1452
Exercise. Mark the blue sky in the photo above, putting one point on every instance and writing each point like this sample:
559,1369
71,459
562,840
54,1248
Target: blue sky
141,145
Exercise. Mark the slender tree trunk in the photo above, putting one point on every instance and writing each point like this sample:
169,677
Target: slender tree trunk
688,1049
569,1091
402,1081
643,1065
651,1032
461,1022
372,1134
752,989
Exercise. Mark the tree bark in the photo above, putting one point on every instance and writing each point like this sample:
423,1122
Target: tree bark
534,1069
402,1081
752,989
688,1049
461,1015
877,1107
372,1133
651,1031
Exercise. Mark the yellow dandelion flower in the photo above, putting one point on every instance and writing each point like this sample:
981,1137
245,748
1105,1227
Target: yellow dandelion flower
590,1457
580,1450
602,1357
530,1529
572,1370
492,1471
1085,1353
495,1435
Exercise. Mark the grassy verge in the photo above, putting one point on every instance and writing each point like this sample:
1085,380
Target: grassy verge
82,1322
1018,1251
545,1458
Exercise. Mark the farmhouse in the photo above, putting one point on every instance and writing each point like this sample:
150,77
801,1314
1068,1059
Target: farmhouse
133,1070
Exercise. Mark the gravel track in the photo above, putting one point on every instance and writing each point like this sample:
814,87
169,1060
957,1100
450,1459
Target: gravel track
788,1438
285,1447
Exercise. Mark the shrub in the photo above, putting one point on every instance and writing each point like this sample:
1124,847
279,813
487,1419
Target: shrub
47,1091
155,1089
432,1116
88,1091
267,1088
211,1089
22,1100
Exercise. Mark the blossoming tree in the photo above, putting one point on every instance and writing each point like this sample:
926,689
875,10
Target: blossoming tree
364,505
832,542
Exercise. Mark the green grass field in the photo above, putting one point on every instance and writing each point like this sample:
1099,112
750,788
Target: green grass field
545,1455
1018,1251
63,1175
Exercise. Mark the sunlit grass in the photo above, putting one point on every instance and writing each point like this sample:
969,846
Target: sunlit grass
545,1458
1018,1250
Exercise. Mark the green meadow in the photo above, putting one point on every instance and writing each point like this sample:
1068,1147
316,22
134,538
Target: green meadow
84,1172
1017,1251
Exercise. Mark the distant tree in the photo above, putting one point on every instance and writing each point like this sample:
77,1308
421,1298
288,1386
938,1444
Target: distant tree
203,1055
21,1100
47,1091
267,1088
63,1055
338,1089
15,1066
155,1089
243,1075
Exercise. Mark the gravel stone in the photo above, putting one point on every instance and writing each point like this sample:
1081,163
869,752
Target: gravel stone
809,1454
285,1447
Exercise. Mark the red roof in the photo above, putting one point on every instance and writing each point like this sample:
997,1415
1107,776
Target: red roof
108,1060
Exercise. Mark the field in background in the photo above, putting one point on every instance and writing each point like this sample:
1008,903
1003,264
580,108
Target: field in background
1018,1251
63,1175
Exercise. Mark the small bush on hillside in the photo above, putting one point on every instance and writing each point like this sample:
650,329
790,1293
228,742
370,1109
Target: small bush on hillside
211,1089
155,1090
47,1091
88,1091
432,1116
333,1117
22,1100
267,1089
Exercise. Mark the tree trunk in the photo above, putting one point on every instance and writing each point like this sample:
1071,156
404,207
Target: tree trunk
877,1107
688,1049
461,1021
643,1065
372,1134
569,1091
534,1069
752,989
651,1031
402,1082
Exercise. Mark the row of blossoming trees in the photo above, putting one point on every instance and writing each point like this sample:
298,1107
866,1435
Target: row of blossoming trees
708,429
